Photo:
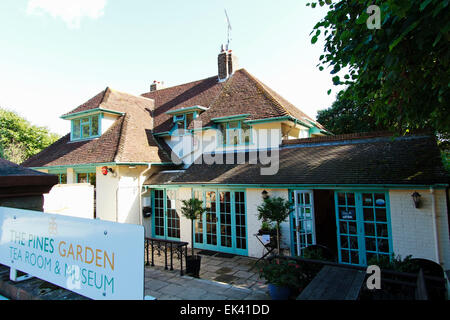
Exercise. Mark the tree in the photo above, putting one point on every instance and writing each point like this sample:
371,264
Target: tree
19,139
402,67
348,116
192,209
277,210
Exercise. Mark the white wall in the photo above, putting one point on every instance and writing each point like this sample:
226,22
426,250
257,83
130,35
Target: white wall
413,230
254,199
106,194
76,200
266,135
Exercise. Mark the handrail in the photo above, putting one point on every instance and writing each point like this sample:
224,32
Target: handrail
169,245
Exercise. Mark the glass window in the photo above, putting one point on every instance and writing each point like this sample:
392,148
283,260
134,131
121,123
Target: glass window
76,129
85,127
235,133
82,178
62,178
94,126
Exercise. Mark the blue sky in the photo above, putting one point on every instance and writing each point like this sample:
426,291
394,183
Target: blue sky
56,54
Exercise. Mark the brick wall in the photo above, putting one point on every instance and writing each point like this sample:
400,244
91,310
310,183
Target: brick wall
412,229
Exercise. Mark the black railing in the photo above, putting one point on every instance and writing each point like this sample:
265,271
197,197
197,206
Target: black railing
169,248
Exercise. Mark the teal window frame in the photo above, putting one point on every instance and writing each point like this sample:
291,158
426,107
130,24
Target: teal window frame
236,216
86,121
167,219
362,230
60,173
87,171
307,238
176,129
225,141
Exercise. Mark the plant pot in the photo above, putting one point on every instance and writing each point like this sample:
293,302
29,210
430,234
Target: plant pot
193,265
279,293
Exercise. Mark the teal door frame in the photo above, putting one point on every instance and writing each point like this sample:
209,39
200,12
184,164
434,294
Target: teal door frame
363,233
306,234
219,247
165,236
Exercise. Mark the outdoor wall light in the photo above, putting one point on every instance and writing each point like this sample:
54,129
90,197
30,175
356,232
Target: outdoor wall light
265,194
416,198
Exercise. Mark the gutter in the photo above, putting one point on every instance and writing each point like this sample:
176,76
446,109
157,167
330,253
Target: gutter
435,226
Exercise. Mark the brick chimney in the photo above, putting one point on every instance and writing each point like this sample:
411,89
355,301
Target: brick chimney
156,85
227,63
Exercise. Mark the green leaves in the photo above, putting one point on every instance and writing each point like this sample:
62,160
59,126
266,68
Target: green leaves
403,67
19,139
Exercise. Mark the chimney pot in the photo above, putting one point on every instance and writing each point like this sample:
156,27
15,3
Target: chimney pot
156,85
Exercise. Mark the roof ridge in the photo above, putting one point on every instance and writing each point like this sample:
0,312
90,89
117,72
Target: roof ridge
225,86
178,85
349,136
120,144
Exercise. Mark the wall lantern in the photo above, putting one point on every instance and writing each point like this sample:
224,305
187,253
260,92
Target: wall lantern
416,198
265,194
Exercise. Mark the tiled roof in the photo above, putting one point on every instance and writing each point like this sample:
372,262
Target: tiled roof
13,175
242,93
410,160
197,93
131,140
128,140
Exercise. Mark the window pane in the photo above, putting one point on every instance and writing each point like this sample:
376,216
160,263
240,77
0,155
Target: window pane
367,199
85,130
92,179
381,214
380,200
94,128
223,133
189,118
246,132
76,129
63,178
82,178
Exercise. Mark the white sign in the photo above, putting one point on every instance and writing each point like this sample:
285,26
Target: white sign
265,238
96,259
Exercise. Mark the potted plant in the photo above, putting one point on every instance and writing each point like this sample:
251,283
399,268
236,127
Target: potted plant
193,209
275,210
283,277
268,229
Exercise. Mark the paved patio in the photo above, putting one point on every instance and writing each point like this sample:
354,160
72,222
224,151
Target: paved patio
222,277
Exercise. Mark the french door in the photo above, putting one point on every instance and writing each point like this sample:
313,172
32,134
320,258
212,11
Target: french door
223,226
363,226
165,218
302,220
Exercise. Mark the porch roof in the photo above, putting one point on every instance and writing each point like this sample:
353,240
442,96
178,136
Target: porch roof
375,160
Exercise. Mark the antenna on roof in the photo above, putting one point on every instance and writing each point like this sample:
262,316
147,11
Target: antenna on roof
229,30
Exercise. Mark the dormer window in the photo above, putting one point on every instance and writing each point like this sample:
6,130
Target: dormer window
235,133
183,117
85,127
233,130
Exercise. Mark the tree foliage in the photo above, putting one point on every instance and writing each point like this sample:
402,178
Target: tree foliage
192,209
348,116
402,67
19,139
275,210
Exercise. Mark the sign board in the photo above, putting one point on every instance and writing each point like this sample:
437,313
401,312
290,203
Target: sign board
265,239
348,214
94,258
